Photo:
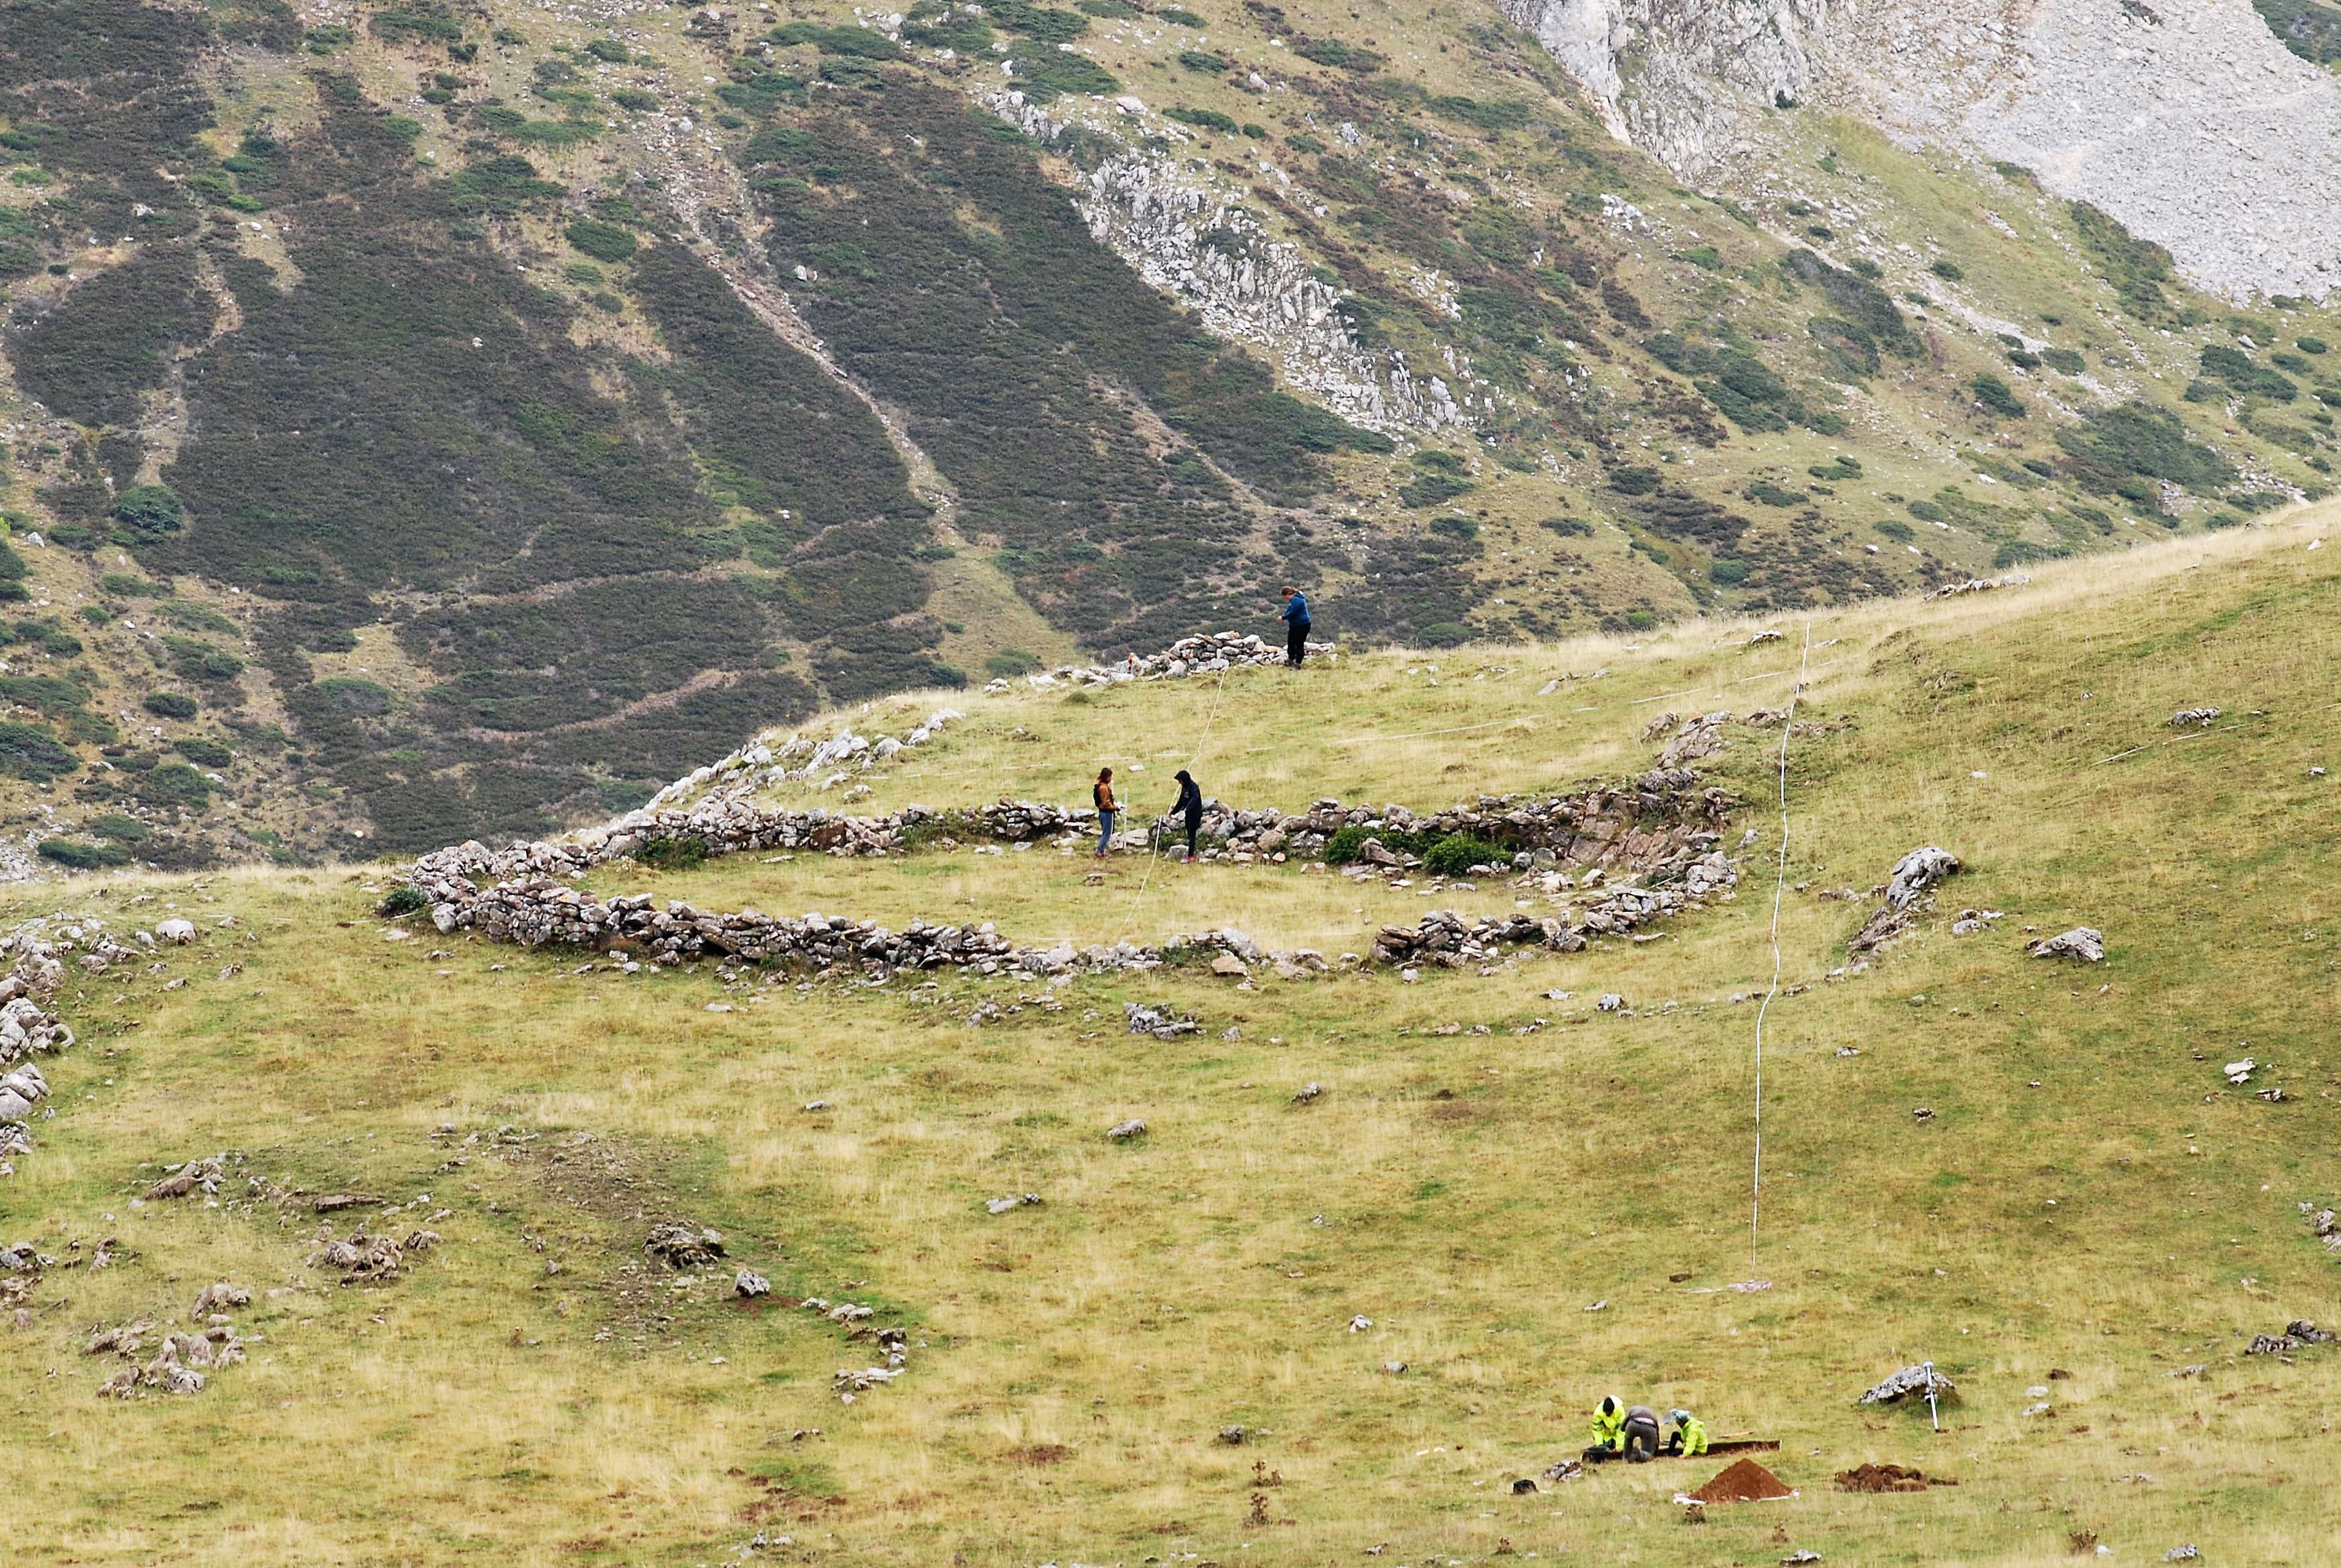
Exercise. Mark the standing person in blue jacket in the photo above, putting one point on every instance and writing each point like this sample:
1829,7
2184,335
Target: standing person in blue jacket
1296,627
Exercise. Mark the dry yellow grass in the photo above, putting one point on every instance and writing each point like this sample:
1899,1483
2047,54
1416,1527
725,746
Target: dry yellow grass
1471,1193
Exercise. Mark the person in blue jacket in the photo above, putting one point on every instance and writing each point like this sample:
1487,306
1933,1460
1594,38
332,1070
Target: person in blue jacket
1296,627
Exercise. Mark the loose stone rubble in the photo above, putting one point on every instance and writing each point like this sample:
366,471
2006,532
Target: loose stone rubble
2194,718
684,1246
1978,585
183,1361
1205,653
1660,830
1909,891
2326,1224
1158,1021
2299,1334
361,1256
802,760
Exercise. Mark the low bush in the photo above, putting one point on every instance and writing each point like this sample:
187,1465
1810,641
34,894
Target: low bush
400,901
677,853
76,856
169,705
1457,853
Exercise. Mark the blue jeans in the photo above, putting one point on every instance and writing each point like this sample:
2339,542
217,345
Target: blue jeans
1105,830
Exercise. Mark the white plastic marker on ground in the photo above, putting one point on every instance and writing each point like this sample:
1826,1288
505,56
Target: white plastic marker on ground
1780,888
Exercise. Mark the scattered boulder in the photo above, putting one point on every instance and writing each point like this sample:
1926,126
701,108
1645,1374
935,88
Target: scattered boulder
749,1285
2083,944
1229,965
2194,718
1918,871
681,1246
1308,1094
1610,1002
218,1297
1013,1200
195,1174
1232,1436
1911,1381
181,932
1123,1132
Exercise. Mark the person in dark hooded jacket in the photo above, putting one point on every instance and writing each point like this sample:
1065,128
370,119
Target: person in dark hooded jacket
1189,806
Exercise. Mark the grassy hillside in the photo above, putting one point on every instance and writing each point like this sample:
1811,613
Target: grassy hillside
1487,1163
452,418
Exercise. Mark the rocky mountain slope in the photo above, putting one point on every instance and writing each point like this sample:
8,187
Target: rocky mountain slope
427,421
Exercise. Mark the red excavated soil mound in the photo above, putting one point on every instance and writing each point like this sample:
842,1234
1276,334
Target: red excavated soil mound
1887,1478
1746,1481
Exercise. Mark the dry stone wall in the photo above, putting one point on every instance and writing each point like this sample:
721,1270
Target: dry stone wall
1661,828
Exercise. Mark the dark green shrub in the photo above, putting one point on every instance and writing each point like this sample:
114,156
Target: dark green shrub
2312,345
1894,528
681,854
634,99
1948,270
129,587
1642,620
76,856
173,784
1568,527
1333,52
32,752
2137,268
1172,14
609,50
1993,394
1455,527
1634,481
1009,663
857,42
352,695
1204,61
1837,471
1431,489
1485,114
2137,439
1728,573
1038,22
400,901
121,829
602,242
1445,634
1204,119
2068,360
1047,74
203,753
1764,492
1457,853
